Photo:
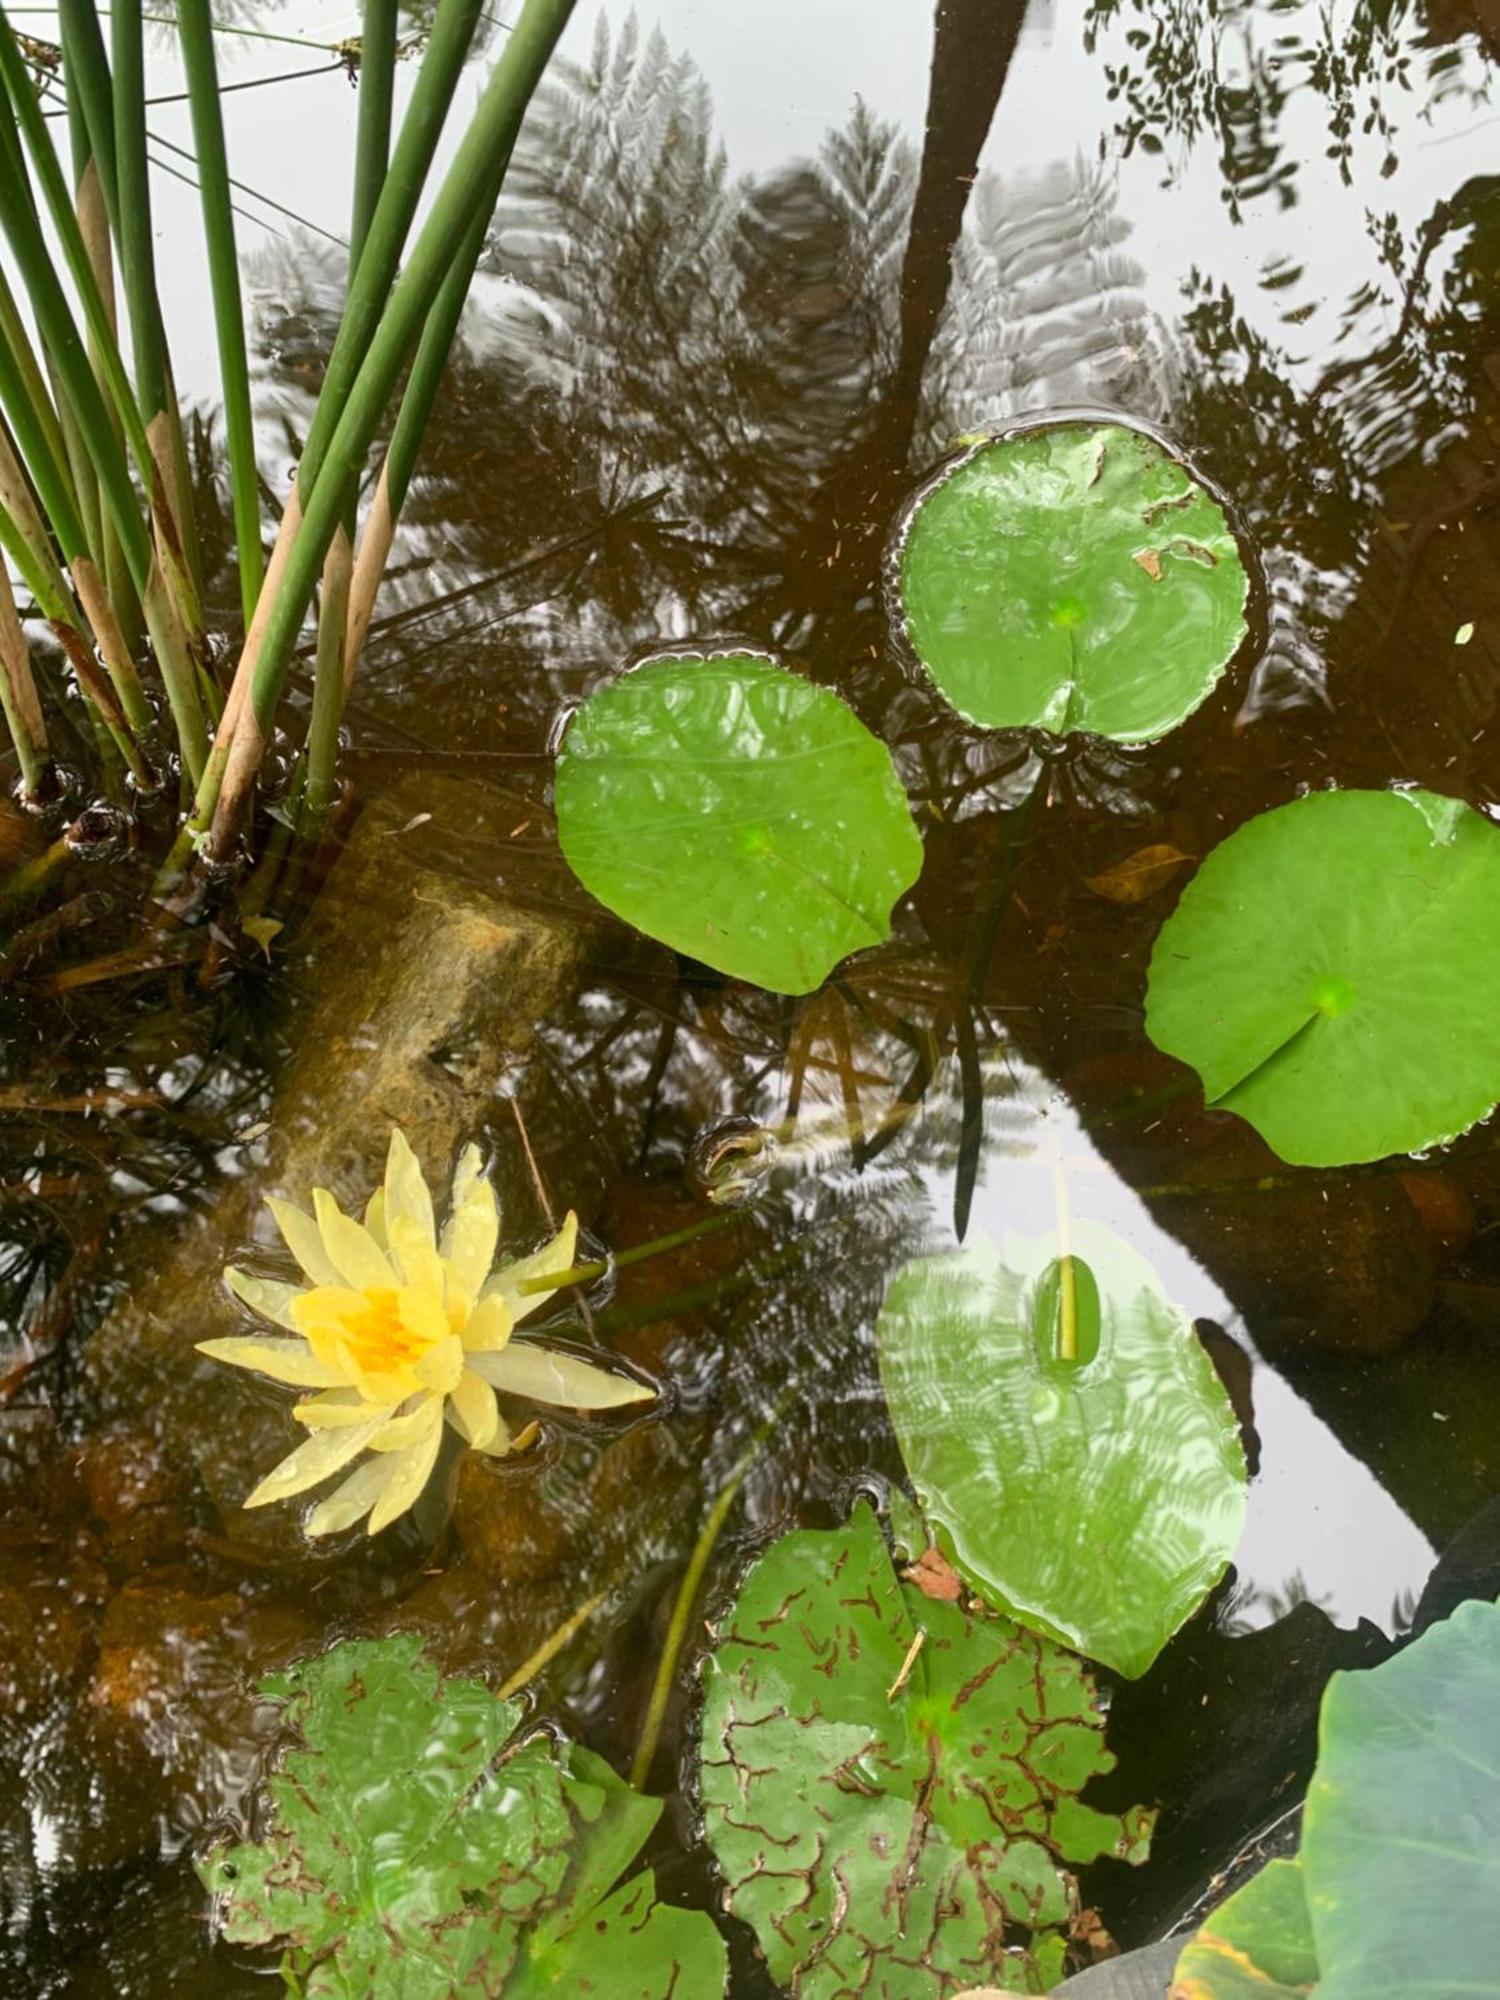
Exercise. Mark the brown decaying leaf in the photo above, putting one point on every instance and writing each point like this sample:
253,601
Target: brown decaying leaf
1150,562
1139,875
935,1577
1088,1928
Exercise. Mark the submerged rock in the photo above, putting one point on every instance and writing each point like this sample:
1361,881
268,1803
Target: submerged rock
417,990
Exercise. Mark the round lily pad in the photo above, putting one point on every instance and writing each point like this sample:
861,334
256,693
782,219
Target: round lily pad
1076,579
739,813
1331,973
1067,1437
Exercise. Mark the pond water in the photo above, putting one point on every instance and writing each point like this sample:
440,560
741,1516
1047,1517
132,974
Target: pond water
754,273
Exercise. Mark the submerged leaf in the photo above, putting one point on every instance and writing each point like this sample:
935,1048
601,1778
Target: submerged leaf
416,1850
1331,971
1072,578
1139,875
1096,1495
890,1785
737,812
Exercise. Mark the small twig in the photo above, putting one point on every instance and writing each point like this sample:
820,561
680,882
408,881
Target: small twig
551,1646
907,1664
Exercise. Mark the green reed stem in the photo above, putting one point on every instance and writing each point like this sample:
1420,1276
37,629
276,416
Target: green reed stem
86,70
55,319
687,1597
196,33
377,74
35,441
488,140
133,217
391,217
31,383
372,139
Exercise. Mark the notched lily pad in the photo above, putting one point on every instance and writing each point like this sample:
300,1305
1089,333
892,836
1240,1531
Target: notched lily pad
737,812
1073,578
1078,1455
1330,973
890,1784
416,1849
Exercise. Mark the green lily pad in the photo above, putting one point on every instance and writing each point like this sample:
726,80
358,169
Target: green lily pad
1401,1835
890,1784
737,812
1075,578
1331,971
1098,1497
416,1849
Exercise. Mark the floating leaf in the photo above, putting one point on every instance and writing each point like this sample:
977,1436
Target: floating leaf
1072,578
1097,1497
1139,875
1331,972
890,1785
739,813
1401,1835
1258,1944
417,1850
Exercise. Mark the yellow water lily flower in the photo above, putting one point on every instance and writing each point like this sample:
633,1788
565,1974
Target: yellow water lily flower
397,1328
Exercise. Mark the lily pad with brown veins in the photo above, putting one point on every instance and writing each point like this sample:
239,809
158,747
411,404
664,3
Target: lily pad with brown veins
891,1784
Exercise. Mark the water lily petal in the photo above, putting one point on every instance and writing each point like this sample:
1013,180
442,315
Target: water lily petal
311,1463
405,1190
405,1430
525,1369
488,1327
351,1502
551,1260
473,1230
338,1410
300,1234
473,1402
375,1219
283,1360
441,1366
354,1253
502,1444
268,1296
416,1254
413,1470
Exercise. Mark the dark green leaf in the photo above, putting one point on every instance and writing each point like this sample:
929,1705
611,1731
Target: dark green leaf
1072,578
739,813
1258,1945
890,1784
1098,1500
1331,974
1401,1836
417,1850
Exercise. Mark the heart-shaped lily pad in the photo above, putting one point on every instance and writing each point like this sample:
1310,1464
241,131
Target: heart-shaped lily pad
1075,578
1331,974
1078,1456
737,812
890,1783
